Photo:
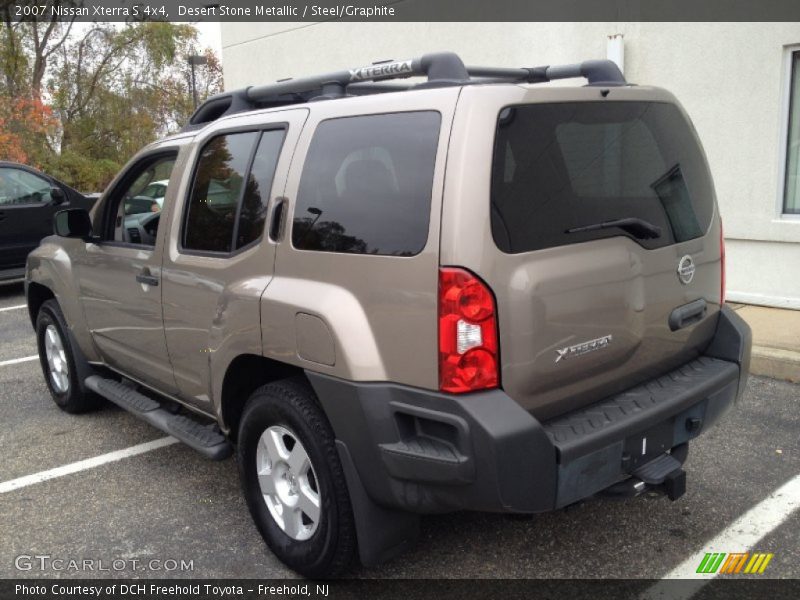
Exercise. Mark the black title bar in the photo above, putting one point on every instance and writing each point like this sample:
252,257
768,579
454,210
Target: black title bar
402,10
394,589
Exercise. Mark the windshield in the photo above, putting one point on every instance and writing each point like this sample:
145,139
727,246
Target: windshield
559,168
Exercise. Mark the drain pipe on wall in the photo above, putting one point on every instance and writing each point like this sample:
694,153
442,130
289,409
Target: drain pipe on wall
615,50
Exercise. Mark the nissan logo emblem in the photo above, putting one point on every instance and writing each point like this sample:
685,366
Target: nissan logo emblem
686,269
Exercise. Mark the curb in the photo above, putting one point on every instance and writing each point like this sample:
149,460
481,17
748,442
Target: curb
776,363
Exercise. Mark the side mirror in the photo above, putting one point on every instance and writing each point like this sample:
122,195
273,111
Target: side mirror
73,223
57,195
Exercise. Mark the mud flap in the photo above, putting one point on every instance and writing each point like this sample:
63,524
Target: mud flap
382,533
82,367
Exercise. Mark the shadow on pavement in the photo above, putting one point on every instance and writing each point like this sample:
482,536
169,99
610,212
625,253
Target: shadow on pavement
11,289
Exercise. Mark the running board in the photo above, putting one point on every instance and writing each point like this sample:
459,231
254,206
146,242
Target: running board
206,439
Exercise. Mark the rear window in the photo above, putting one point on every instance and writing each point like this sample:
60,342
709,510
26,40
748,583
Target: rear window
559,167
366,185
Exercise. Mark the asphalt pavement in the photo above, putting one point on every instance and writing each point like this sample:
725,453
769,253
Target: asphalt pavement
171,504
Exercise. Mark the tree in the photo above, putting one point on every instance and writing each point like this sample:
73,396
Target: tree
23,123
26,121
116,89
26,48
81,98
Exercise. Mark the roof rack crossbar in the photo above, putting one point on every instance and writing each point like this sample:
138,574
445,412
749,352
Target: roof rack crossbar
441,69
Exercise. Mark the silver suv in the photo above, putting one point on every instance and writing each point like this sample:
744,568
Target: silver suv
469,292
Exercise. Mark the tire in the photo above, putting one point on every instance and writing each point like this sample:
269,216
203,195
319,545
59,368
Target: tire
62,375
280,412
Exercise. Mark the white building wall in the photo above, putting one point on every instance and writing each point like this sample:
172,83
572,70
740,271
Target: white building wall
730,77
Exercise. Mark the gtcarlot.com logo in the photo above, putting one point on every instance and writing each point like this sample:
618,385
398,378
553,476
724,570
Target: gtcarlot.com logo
736,563
46,562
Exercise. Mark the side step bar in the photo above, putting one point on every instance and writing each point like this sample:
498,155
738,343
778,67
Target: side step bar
206,439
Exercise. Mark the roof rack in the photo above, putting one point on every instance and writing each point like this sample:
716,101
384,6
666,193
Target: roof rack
442,69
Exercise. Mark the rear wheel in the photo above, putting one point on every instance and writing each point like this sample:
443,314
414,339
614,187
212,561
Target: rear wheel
58,361
293,480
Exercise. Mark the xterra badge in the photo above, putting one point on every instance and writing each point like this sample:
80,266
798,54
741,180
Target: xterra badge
583,348
393,69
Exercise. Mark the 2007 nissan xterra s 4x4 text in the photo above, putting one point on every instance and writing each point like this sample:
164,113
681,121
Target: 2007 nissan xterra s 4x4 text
394,299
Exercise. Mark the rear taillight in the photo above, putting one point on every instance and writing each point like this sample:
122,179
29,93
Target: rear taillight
722,265
467,333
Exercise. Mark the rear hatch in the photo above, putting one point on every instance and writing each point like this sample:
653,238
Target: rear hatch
578,207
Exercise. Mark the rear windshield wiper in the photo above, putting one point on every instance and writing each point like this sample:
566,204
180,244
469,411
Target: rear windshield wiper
636,227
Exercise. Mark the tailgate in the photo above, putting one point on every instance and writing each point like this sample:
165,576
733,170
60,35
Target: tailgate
586,308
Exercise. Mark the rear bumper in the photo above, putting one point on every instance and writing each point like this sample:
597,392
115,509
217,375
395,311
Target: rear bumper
426,452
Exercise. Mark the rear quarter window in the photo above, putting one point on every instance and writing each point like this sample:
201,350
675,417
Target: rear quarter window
562,166
366,185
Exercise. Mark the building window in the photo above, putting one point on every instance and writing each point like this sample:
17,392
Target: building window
791,193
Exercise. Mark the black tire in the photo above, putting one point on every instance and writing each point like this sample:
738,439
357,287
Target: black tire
73,399
291,404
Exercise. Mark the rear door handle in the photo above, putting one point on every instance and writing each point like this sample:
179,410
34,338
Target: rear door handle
687,314
146,278
276,226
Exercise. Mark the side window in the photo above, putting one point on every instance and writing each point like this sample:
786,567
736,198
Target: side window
20,187
257,191
216,191
366,185
140,200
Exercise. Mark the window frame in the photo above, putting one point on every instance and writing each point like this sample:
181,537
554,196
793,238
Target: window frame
289,218
112,200
786,113
258,129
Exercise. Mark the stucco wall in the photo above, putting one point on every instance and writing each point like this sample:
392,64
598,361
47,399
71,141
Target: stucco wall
729,76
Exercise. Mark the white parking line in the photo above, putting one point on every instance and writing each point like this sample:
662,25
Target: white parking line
83,465
13,307
740,536
15,361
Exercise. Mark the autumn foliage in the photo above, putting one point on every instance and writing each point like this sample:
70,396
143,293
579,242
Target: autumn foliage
25,124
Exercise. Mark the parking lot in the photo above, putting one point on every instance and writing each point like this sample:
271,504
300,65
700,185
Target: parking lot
169,504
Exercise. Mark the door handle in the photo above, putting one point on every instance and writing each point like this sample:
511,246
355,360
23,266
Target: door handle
276,226
687,314
146,278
